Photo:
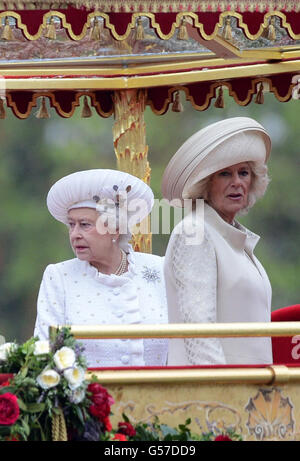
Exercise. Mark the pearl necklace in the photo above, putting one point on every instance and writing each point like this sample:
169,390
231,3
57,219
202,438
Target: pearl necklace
123,264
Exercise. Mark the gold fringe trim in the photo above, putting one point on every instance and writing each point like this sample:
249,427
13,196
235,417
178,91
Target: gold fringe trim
255,90
56,105
164,6
265,25
211,94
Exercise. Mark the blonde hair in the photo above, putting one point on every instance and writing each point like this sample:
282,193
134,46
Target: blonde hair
259,184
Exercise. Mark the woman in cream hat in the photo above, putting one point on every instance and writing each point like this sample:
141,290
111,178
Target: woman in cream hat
107,282
217,278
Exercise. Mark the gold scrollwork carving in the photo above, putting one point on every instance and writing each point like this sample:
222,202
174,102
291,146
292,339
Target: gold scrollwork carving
270,415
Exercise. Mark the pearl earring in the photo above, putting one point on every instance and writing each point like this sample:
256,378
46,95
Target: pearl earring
113,240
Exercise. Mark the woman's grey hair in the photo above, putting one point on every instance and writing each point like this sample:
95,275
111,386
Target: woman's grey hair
260,181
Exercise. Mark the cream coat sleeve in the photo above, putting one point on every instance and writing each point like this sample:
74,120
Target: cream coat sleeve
192,272
51,303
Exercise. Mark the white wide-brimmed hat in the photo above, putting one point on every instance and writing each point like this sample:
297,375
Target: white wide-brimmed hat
217,146
100,189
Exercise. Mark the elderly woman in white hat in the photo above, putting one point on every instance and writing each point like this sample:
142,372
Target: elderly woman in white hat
107,282
218,278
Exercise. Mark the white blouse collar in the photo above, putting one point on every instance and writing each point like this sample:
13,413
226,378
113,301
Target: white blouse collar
238,235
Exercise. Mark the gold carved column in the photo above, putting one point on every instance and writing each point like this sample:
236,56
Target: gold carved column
129,134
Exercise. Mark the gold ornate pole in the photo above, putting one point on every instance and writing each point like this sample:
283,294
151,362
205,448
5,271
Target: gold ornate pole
131,150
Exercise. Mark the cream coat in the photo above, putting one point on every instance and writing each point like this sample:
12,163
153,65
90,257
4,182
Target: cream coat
218,280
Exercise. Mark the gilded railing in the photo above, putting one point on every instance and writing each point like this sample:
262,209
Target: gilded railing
186,330
269,374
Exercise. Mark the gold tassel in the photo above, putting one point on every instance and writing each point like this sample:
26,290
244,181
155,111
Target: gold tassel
272,30
182,33
177,106
86,110
2,109
42,112
140,33
59,429
7,33
95,31
51,30
227,32
260,95
220,99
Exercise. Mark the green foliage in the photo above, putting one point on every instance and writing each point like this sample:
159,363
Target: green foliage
38,404
157,431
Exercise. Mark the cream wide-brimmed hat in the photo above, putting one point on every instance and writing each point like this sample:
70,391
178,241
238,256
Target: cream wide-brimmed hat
217,146
101,189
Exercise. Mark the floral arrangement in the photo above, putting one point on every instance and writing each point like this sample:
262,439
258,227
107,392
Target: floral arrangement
44,395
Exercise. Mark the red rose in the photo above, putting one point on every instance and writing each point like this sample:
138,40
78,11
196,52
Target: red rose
99,393
107,424
9,409
126,429
100,412
223,438
101,401
120,437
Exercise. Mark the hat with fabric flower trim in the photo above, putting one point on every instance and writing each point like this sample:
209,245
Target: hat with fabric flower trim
108,191
213,148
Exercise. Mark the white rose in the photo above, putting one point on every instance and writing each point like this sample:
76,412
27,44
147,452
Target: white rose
74,376
5,349
64,358
41,347
48,378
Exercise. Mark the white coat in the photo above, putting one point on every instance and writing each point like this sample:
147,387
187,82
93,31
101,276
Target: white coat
74,293
217,280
